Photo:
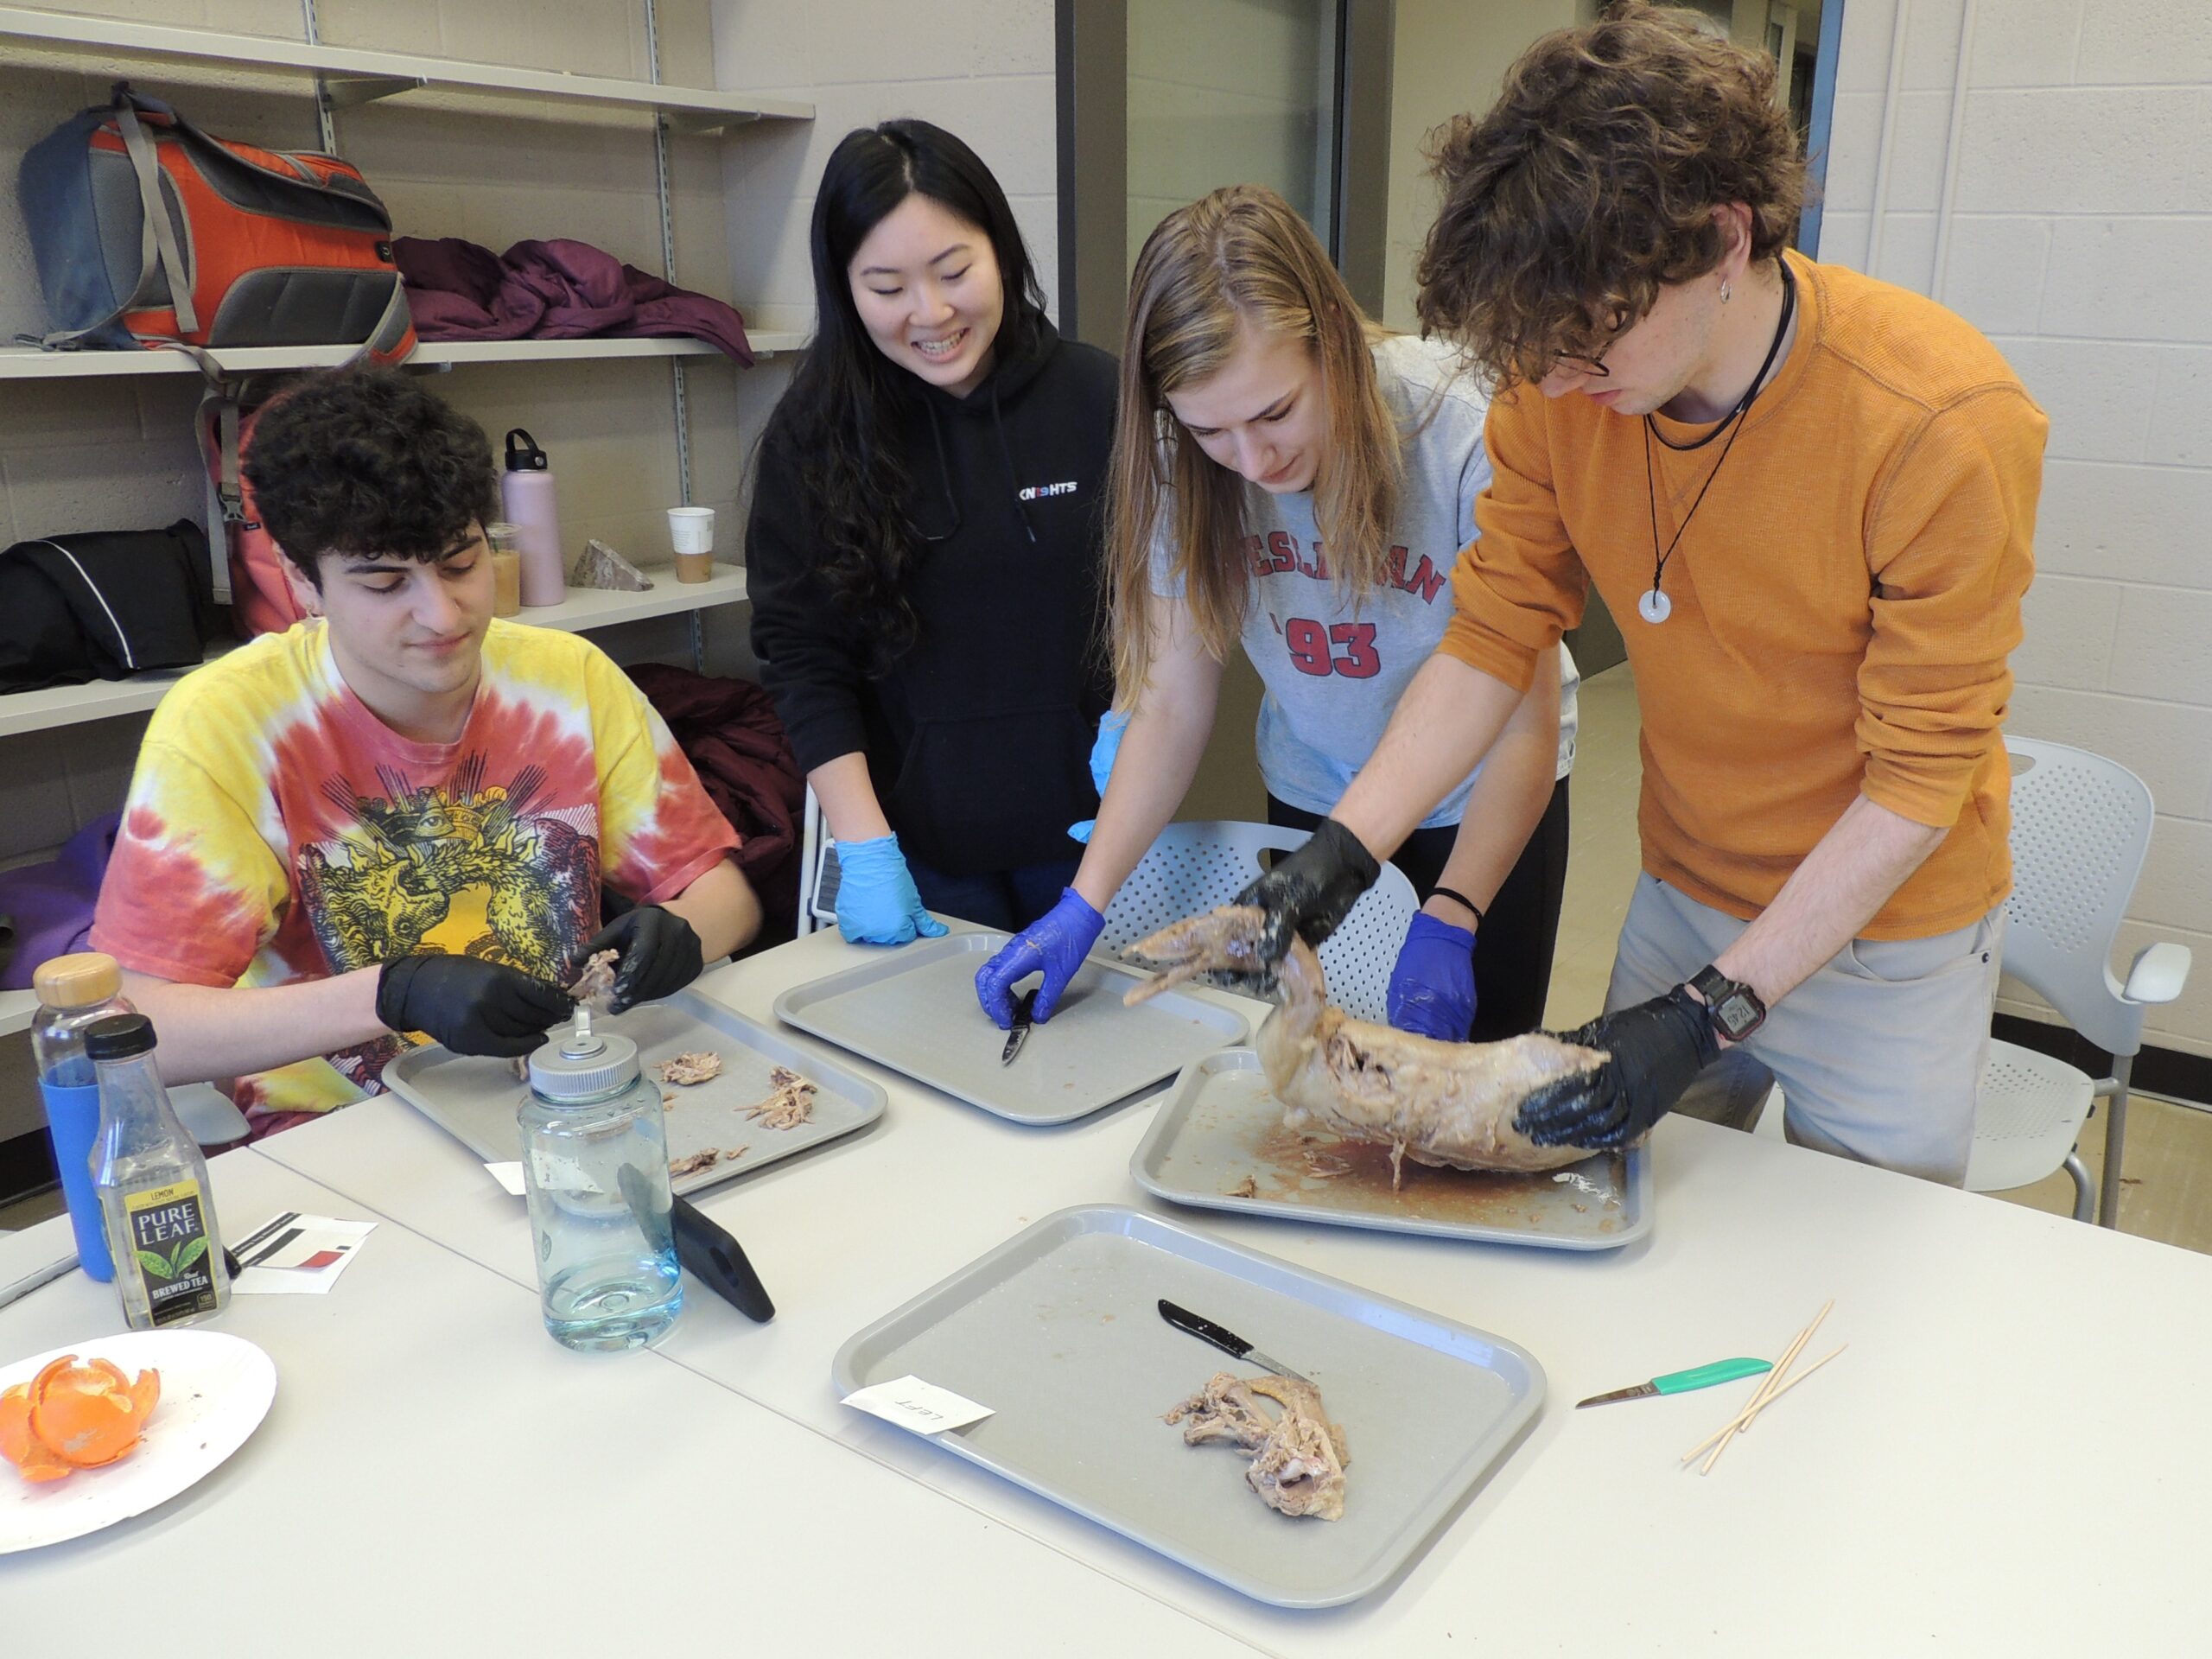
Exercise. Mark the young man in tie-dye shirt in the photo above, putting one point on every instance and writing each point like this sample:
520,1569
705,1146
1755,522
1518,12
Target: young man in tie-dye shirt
394,819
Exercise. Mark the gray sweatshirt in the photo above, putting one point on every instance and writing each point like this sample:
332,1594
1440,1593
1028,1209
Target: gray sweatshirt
1334,671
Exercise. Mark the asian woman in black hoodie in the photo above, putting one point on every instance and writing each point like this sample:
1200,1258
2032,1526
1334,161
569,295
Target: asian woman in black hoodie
924,549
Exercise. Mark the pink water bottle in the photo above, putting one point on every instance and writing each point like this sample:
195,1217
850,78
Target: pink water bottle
526,492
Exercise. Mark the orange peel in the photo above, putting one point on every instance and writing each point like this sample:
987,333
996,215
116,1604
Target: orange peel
71,1416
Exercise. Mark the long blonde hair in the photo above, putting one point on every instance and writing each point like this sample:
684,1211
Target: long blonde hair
1239,257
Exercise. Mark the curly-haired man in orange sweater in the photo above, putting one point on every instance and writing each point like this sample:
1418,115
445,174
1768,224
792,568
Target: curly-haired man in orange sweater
1811,498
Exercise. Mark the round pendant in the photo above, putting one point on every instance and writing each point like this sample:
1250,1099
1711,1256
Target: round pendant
1654,607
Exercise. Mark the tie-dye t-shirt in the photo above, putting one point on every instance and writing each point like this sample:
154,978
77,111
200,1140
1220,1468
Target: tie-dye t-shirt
277,830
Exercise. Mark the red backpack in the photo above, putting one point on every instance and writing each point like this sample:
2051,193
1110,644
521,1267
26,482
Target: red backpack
148,230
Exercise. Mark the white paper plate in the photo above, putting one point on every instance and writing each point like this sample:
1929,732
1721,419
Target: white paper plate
215,1390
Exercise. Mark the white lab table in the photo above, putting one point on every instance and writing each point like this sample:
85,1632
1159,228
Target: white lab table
2007,1458
437,1476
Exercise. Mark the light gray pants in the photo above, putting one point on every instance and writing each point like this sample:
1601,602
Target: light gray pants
1878,1053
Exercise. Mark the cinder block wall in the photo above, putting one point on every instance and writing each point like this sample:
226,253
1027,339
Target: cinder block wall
117,452
2080,227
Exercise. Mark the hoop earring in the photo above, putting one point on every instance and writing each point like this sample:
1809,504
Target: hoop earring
1724,292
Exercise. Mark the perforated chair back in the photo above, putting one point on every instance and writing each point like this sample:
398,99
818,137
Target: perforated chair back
2081,828
1192,868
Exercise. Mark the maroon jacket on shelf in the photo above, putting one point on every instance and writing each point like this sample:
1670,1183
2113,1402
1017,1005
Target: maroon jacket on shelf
552,290
728,731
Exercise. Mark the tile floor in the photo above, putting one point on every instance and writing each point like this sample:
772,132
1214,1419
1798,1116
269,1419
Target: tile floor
2169,1196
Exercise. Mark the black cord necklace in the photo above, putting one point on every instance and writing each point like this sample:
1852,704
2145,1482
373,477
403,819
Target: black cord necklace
1654,607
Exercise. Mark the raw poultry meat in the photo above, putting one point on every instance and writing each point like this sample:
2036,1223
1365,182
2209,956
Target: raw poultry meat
1299,1456
789,1103
688,1069
594,986
1448,1104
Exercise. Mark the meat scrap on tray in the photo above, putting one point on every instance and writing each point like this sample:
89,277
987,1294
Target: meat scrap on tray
1297,1454
685,1069
1448,1104
789,1102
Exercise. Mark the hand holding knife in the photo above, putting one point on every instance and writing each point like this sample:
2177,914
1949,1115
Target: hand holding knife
1025,1009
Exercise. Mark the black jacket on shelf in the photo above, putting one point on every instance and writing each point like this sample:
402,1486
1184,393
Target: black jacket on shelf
978,738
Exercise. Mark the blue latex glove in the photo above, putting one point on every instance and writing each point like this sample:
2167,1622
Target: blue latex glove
1432,986
1101,765
876,900
1056,944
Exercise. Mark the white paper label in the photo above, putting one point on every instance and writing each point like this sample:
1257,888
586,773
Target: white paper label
922,1407
507,1175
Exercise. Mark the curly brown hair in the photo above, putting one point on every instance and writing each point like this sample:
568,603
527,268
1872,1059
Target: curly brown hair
1592,181
368,462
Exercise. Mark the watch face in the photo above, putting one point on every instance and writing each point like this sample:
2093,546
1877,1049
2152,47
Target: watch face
1738,1014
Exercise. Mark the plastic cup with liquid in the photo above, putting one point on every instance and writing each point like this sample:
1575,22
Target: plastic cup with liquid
691,532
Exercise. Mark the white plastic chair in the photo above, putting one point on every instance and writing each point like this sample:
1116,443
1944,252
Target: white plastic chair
2081,827
1194,867
818,869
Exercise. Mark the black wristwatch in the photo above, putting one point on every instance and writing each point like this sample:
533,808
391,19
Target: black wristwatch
1735,1007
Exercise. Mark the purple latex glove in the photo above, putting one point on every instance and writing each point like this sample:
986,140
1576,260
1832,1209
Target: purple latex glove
1432,986
1055,944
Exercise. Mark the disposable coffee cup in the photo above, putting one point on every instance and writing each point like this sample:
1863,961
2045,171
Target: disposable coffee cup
692,531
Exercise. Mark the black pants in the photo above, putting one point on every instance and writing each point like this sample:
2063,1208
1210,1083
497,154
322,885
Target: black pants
1006,900
1513,950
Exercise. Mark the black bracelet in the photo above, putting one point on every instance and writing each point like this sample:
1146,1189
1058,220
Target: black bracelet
1461,899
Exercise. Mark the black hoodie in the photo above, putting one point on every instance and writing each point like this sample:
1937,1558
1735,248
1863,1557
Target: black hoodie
978,739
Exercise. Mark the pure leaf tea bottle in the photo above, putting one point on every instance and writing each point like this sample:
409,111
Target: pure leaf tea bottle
153,1186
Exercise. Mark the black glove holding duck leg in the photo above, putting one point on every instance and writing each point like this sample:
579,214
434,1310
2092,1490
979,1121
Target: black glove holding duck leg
660,954
1305,894
1654,1051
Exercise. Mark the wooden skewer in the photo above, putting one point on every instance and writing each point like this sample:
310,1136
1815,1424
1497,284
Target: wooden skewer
1766,1388
1744,1418
1773,1383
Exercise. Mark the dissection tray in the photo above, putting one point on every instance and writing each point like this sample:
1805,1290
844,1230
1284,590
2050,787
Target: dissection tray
914,1010
473,1099
1058,1331
1219,1142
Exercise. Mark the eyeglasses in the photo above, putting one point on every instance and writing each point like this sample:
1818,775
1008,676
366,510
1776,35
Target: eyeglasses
1595,366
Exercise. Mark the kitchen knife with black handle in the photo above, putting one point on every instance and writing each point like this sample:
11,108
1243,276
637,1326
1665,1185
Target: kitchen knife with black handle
1228,1341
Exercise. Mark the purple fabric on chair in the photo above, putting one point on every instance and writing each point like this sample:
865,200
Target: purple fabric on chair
556,289
51,905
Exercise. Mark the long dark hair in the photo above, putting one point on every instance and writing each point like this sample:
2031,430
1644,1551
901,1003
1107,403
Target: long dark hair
834,415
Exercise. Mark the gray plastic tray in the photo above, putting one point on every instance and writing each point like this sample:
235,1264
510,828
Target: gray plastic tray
473,1099
914,1010
1058,1332
1222,1127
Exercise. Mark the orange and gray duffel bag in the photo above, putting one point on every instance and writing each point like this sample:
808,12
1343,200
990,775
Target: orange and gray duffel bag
148,232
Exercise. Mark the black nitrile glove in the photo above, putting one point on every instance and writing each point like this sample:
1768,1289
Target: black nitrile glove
660,954
1655,1051
472,1006
1306,894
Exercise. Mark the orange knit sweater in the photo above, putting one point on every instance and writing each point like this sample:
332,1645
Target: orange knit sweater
1844,601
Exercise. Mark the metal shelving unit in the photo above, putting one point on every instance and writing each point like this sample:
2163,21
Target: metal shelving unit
339,78
28,363
349,76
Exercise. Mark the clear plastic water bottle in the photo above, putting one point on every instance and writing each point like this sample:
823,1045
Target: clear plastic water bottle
152,1183
73,992
595,1168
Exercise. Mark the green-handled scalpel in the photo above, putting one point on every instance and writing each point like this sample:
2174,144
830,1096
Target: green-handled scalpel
1704,1376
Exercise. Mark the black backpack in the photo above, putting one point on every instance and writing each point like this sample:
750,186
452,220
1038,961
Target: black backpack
103,604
